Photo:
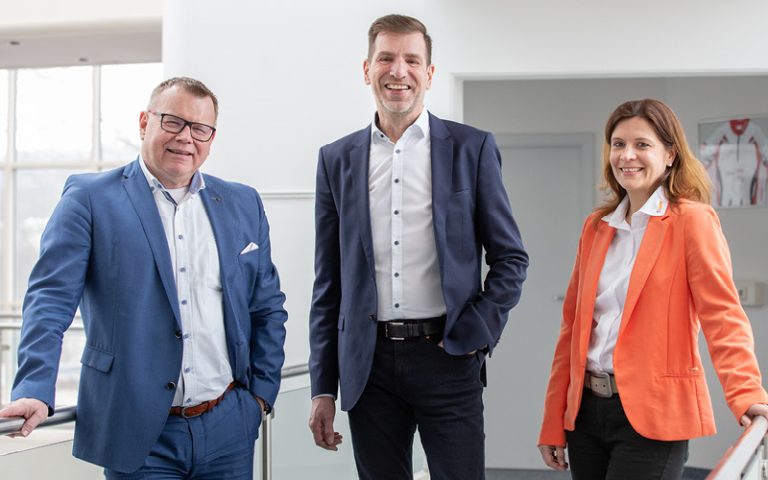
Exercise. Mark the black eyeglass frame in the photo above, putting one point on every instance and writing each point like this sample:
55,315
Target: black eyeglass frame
185,123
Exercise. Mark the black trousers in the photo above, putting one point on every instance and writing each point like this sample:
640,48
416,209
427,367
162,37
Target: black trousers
605,446
416,384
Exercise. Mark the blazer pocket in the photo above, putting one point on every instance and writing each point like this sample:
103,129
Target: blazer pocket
101,361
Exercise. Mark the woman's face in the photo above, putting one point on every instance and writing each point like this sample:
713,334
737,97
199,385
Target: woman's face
638,158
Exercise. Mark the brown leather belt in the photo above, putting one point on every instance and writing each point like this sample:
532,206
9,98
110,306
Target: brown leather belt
409,329
200,408
602,384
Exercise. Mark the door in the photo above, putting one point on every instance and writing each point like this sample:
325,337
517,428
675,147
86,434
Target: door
549,180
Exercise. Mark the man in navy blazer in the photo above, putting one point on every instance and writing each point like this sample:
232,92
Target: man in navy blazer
180,300
400,317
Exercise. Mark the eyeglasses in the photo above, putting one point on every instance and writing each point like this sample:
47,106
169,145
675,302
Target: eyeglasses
173,124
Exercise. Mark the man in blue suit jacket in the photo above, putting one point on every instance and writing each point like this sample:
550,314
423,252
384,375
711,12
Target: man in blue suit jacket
181,305
399,318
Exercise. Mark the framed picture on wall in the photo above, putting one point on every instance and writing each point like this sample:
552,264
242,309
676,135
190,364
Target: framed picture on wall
735,153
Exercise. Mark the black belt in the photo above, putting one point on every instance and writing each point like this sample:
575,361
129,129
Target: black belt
409,329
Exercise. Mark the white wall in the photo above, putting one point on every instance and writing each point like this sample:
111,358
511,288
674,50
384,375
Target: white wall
43,15
582,106
288,75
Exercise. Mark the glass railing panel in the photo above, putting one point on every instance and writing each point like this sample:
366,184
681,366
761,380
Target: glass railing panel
47,453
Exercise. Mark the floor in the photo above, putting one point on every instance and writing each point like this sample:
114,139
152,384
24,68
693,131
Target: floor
501,474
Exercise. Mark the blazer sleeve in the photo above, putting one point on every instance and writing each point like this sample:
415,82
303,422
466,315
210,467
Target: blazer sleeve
268,319
326,293
54,292
723,321
482,321
556,399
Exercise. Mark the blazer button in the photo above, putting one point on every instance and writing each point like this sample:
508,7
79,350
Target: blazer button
177,333
371,317
170,386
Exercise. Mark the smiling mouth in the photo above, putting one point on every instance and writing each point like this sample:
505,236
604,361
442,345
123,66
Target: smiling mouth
630,169
397,86
178,152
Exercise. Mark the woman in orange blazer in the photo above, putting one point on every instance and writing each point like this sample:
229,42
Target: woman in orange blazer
627,388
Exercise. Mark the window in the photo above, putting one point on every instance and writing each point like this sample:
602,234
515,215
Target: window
56,122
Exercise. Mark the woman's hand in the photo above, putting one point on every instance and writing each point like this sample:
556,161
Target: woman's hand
553,456
753,411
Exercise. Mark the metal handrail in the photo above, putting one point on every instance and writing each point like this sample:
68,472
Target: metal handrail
738,456
61,415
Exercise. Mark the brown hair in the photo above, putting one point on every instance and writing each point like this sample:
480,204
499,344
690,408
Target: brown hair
686,178
195,87
398,24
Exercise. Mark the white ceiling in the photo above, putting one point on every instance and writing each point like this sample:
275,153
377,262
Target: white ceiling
114,42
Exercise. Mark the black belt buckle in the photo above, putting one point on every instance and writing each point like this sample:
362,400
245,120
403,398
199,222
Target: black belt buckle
394,324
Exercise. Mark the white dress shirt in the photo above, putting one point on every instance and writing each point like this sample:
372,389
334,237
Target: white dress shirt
400,200
614,278
205,369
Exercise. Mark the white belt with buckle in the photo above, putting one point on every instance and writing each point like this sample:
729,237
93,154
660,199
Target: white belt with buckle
602,384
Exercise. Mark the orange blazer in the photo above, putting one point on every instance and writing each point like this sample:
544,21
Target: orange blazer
681,281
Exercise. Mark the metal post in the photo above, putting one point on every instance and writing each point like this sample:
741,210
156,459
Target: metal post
266,446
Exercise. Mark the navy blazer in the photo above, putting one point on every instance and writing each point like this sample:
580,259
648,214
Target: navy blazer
470,211
104,248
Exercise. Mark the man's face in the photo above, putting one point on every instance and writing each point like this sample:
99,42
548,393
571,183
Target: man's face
398,74
174,157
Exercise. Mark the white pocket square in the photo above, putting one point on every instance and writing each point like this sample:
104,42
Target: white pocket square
249,248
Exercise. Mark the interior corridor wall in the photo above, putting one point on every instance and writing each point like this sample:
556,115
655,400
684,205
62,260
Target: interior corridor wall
289,79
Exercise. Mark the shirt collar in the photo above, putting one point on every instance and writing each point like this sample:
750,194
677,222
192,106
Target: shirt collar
420,127
655,206
195,185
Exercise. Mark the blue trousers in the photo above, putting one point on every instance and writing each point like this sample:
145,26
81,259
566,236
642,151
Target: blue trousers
416,384
216,445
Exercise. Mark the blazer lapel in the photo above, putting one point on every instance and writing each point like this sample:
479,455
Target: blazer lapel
224,226
646,259
359,158
594,265
442,178
135,184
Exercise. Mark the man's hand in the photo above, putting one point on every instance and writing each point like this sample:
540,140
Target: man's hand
758,409
32,409
441,345
553,456
321,423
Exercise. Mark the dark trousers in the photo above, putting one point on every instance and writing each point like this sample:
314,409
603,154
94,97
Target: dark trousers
604,445
216,445
416,384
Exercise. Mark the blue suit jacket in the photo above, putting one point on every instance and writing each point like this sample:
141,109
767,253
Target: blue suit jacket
470,211
104,248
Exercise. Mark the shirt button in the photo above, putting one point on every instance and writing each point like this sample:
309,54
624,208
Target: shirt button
170,386
397,151
183,269
187,370
181,237
183,302
186,335
397,212
397,180
397,305
397,274
397,242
